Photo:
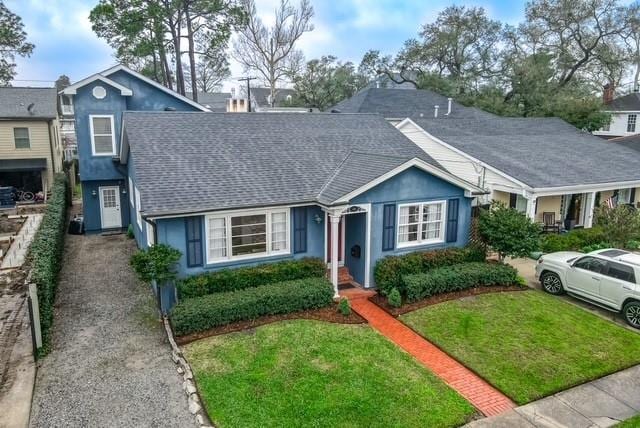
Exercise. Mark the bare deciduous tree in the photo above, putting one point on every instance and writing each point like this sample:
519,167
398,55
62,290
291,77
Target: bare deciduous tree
271,52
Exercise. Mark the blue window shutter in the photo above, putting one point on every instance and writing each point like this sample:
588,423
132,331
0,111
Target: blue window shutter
193,226
300,230
388,227
452,220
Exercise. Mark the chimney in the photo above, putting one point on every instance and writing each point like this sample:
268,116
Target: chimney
435,111
377,84
449,106
608,92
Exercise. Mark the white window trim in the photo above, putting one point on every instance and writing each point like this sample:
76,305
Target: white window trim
131,193
150,238
137,206
420,241
227,216
14,137
113,134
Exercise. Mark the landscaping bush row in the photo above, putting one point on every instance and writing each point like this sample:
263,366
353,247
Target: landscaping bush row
254,276
458,277
202,313
390,270
574,240
45,254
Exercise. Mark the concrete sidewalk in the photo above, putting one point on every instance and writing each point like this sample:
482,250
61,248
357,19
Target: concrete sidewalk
600,403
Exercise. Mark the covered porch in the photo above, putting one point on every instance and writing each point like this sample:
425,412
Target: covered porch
558,210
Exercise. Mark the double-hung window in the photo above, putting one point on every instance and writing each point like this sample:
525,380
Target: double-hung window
103,142
247,235
631,122
21,138
421,223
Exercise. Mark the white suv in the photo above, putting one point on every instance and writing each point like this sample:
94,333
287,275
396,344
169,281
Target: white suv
608,278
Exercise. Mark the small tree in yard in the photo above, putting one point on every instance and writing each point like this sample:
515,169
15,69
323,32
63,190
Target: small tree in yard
620,224
508,231
156,264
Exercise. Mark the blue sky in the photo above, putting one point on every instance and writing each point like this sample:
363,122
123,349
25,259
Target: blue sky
65,43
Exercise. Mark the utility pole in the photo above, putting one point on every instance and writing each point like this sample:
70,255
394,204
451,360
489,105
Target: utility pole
248,80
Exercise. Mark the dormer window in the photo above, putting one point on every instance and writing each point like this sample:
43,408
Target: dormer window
67,104
103,142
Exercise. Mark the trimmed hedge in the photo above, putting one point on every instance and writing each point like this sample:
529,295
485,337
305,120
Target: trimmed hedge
213,310
389,271
458,277
574,240
248,277
45,254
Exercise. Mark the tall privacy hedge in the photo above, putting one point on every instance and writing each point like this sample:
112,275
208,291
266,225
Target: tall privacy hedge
45,254
390,270
458,277
213,310
248,277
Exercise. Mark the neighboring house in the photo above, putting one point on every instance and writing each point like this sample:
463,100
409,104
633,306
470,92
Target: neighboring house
537,165
98,103
30,145
67,127
625,112
213,101
232,190
261,98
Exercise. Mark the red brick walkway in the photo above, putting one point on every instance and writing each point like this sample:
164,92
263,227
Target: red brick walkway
483,396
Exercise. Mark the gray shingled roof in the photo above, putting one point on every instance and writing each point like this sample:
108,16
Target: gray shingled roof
402,103
631,142
15,101
191,162
540,152
214,101
629,102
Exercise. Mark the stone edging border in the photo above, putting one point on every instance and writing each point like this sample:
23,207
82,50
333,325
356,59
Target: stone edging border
189,386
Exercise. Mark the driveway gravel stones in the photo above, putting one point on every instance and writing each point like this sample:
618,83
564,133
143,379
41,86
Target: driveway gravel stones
110,365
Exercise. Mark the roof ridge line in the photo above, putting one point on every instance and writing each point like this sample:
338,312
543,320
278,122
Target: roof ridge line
334,174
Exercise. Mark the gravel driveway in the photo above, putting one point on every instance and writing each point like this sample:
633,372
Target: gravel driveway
110,365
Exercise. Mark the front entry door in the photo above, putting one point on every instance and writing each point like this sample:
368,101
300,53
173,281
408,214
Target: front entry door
110,207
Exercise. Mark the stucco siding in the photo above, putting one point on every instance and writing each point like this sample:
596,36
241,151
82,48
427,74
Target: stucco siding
39,139
549,204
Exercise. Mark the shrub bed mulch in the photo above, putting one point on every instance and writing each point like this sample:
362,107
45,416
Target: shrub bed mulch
439,298
329,314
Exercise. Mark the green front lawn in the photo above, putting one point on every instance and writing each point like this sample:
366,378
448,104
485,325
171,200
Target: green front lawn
313,373
526,343
634,422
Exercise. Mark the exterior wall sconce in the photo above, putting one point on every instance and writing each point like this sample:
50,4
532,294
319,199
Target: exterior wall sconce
94,193
124,190
317,219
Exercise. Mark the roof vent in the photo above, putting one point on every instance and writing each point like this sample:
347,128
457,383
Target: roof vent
435,111
169,109
335,110
30,108
448,106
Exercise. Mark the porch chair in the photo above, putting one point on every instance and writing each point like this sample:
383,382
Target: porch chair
549,222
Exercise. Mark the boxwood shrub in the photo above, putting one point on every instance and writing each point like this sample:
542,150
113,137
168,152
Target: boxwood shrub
45,254
389,271
254,276
458,277
574,240
213,310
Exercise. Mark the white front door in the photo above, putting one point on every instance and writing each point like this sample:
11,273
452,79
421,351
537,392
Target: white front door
110,207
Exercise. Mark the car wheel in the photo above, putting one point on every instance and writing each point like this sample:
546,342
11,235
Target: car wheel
551,283
631,313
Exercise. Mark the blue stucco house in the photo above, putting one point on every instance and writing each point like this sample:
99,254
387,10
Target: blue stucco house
233,189
99,102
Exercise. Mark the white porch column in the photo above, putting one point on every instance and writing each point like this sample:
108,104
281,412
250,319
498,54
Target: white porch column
589,207
531,208
335,222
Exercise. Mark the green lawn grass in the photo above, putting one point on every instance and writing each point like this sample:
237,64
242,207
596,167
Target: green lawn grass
526,343
630,423
316,374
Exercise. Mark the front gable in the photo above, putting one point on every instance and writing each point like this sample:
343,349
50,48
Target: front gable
410,185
